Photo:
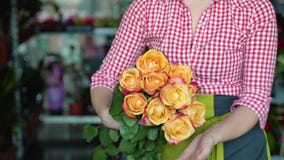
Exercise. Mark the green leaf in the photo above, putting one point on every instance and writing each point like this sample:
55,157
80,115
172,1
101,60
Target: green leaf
138,153
150,145
118,117
141,144
161,138
129,121
127,146
114,135
128,132
157,153
130,157
117,100
90,132
147,156
104,137
112,150
142,132
153,133
99,154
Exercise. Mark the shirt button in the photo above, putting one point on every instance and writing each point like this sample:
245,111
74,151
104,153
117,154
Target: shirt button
195,46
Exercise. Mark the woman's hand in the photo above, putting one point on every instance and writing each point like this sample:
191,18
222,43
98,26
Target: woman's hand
236,124
199,149
107,119
101,99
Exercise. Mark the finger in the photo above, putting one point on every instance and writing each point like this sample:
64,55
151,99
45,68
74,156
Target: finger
190,150
199,155
111,123
203,150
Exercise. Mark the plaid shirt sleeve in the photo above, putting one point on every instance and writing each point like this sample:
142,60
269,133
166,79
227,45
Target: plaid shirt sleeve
259,62
126,46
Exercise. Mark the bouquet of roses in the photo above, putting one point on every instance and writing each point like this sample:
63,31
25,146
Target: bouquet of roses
155,103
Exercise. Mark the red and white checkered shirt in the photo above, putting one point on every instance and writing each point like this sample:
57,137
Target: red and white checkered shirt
233,51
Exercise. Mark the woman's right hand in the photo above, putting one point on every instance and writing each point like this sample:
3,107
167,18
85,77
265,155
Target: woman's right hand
107,119
101,100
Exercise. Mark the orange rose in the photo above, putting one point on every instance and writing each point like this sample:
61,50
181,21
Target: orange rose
146,121
176,94
196,112
178,128
193,88
172,109
180,71
134,104
152,61
157,112
130,81
154,81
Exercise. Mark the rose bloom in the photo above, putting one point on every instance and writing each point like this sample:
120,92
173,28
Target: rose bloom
176,94
178,128
180,71
153,81
145,120
134,104
196,112
130,81
157,112
193,88
152,61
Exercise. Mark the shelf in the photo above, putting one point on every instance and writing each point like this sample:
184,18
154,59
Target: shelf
79,30
105,31
66,119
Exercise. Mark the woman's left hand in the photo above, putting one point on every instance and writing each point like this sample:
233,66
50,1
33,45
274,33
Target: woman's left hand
199,149
236,124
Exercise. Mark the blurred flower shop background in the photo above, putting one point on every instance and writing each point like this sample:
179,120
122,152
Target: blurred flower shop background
48,51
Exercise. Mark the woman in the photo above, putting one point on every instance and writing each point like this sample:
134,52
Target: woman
231,47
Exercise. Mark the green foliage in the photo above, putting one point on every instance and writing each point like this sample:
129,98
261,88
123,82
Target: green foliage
150,145
105,137
133,140
141,134
126,146
153,133
129,121
99,154
128,132
114,135
117,100
112,150
90,132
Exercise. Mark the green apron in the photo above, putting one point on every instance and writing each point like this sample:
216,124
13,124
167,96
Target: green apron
251,146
